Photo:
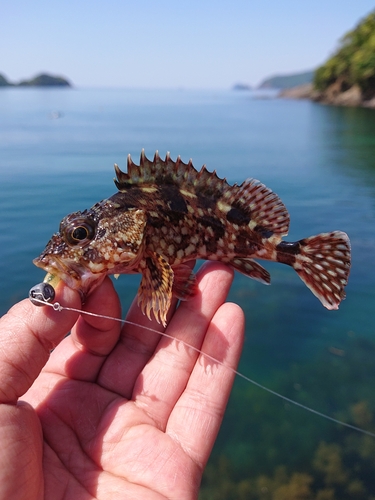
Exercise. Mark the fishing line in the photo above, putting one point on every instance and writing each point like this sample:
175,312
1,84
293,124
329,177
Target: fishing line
56,306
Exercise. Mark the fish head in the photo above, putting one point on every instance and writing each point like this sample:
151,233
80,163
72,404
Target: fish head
94,243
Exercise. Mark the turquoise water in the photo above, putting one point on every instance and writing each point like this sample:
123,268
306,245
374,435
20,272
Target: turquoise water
57,149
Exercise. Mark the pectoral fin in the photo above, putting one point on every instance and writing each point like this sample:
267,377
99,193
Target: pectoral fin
155,290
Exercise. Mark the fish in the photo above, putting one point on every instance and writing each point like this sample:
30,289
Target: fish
167,213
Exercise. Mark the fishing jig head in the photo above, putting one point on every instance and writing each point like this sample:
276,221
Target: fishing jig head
41,293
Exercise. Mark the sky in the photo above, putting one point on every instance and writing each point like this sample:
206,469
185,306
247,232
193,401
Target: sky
171,44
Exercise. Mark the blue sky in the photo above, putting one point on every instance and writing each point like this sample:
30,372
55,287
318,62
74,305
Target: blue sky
171,44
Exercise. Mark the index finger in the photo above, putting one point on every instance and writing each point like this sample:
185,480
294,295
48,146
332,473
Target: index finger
82,355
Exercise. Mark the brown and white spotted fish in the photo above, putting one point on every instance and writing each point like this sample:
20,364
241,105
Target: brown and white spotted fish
167,213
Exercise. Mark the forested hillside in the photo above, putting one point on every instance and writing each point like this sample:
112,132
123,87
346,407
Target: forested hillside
353,64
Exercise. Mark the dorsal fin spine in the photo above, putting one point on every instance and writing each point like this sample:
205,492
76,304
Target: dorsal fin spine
252,197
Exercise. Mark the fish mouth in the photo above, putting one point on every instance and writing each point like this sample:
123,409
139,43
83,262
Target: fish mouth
75,276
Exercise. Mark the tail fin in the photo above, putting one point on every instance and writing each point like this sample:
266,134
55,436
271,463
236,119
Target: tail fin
323,264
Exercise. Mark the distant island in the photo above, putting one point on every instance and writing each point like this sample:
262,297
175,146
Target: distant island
42,80
241,86
287,81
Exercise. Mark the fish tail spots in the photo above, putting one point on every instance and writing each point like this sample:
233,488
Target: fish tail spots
323,264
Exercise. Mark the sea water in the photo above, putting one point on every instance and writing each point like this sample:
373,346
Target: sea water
57,150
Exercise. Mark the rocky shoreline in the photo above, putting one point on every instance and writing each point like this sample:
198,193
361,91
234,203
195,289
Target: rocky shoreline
333,95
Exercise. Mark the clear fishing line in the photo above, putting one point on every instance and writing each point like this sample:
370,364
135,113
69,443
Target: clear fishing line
56,306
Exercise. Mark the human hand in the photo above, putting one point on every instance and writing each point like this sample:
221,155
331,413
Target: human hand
114,412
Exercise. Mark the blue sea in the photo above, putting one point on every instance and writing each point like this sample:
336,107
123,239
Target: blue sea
57,150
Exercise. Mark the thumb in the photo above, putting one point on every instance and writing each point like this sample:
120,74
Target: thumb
27,335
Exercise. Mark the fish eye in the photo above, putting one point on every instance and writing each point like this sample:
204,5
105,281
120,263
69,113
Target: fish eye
79,232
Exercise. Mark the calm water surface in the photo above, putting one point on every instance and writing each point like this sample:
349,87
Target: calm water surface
57,149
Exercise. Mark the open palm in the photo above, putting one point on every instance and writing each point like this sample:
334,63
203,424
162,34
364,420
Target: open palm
115,412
